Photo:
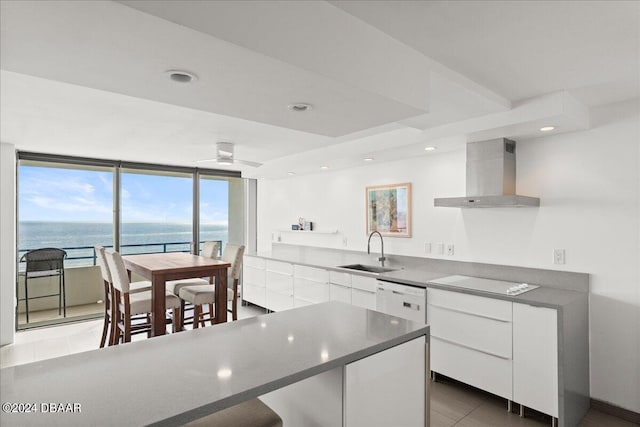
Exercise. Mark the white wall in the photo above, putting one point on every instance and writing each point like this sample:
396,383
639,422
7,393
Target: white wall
7,242
589,187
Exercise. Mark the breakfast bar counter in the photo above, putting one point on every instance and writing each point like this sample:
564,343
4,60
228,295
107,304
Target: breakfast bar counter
173,379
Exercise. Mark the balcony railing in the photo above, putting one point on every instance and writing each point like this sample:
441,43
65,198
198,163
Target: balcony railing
77,254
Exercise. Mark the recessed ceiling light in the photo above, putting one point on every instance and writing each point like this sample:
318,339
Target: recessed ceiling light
368,159
429,148
299,107
547,128
324,167
291,173
181,76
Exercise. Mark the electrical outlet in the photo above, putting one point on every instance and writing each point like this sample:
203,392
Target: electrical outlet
427,248
558,256
450,249
439,248
345,241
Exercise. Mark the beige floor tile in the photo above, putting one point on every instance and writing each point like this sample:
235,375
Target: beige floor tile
50,348
489,414
596,418
439,420
452,400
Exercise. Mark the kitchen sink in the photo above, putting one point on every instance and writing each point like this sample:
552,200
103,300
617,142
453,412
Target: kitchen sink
367,268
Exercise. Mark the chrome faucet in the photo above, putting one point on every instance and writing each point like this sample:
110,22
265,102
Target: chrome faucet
382,258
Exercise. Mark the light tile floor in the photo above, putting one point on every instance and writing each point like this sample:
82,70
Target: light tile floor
452,403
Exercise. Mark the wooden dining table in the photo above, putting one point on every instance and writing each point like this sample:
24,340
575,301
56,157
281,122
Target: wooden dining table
162,267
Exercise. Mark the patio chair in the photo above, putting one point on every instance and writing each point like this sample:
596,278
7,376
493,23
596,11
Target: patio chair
45,262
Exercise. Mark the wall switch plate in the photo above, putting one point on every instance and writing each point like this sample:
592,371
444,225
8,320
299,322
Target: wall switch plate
450,249
427,248
345,241
440,248
558,256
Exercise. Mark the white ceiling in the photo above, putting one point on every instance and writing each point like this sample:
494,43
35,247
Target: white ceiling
385,78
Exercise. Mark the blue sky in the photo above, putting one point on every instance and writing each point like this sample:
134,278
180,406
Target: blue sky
52,194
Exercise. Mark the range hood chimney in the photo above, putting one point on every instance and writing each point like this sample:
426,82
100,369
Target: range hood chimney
491,178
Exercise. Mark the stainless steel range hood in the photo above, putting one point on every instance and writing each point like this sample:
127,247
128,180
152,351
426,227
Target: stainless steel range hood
491,178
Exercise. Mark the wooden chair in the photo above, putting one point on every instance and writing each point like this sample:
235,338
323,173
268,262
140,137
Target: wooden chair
107,327
125,303
200,295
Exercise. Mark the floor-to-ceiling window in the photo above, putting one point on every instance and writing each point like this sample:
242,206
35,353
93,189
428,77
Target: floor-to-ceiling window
69,207
77,203
156,211
221,210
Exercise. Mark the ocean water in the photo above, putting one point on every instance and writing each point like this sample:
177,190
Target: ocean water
146,237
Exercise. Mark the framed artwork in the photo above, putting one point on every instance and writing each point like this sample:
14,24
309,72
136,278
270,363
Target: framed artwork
389,209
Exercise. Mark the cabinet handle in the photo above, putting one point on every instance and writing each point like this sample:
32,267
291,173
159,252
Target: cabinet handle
469,313
471,348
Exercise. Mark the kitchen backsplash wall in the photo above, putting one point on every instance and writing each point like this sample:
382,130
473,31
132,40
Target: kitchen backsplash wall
589,186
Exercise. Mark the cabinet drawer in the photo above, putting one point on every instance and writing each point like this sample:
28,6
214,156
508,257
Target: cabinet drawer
278,302
253,294
340,293
472,304
340,278
311,273
252,261
363,299
279,282
279,267
481,370
253,276
480,333
310,290
364,283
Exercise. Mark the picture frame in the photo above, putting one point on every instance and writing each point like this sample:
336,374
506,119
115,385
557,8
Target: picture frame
388,209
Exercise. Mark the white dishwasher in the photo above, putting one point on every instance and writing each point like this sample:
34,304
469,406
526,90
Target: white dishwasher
404,301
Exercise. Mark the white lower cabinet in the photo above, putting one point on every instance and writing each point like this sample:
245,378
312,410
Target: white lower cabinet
364,299
535,358
509,349
277,285
253,280
471,339
340,293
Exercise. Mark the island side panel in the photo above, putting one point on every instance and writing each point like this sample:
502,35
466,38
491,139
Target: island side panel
388,388
315,401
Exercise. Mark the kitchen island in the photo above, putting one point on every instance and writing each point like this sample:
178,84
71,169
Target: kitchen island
326,364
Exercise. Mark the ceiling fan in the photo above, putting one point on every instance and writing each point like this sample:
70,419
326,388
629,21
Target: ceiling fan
224,156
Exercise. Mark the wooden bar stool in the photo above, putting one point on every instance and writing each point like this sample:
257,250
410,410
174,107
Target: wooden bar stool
252,413
107,326
126,304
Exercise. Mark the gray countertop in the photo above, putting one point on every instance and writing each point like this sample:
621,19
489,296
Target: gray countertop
422,277
175,378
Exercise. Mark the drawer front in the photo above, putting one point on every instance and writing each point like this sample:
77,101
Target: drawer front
279,267
363,299
472,304
279,282
339,293
363,283
310,273
252,261
340,278
310,290
254,294
277,301
253,276
480,333
481,370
